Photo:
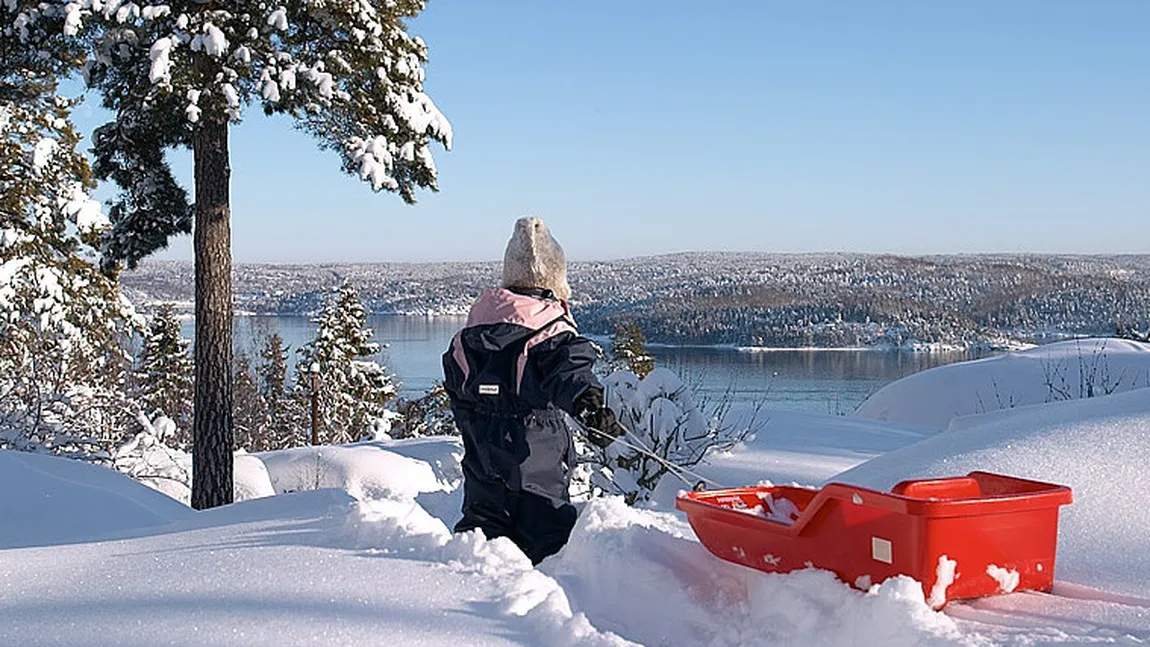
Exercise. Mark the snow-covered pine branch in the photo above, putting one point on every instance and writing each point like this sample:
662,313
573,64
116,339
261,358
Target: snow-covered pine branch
347,70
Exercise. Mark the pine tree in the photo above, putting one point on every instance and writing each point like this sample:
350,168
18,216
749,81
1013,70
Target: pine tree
629,348
250,409
352,390
63,325
164,373
176,75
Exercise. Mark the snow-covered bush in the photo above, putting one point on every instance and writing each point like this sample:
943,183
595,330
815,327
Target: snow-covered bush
149,458
668,433
427,415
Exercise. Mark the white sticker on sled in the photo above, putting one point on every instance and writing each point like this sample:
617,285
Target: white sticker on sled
880,550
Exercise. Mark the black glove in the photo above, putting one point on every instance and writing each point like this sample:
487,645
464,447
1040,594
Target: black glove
599,421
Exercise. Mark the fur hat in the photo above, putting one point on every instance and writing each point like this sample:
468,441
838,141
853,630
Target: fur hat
534,260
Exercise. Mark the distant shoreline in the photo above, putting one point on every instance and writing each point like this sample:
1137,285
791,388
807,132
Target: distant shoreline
752,303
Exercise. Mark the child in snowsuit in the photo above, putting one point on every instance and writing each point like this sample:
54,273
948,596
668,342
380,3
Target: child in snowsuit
513,374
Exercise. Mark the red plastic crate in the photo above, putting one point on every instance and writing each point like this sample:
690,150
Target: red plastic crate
988,524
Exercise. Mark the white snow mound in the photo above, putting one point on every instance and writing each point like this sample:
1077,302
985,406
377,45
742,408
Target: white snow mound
50,501
1066,370
366,471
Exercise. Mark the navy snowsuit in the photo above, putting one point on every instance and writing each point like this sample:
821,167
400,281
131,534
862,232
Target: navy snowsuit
513,375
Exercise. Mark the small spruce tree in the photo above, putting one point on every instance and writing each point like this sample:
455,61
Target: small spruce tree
284,422
250,412
352,389
164,375
629,348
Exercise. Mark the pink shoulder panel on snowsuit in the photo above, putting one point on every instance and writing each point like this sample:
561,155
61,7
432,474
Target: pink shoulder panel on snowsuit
498,305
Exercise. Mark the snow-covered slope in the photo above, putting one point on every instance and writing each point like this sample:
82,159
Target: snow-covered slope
1061,371
46,500
382,566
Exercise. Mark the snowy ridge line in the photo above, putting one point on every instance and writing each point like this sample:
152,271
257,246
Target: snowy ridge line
709,299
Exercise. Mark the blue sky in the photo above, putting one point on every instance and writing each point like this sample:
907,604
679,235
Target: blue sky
646,127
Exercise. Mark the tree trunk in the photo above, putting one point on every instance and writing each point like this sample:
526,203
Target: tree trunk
213,436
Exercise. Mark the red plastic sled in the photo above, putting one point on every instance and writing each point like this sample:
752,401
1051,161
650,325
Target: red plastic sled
1000,532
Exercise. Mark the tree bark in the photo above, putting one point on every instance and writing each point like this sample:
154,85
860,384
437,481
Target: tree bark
213,434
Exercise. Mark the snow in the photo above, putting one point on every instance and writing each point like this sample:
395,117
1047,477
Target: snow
160,55
251,478
278,19
87,213
1060,371
154,12
349,545
212,42
269,89
1007,579
47,501
367,471
43,152
943,578
243,54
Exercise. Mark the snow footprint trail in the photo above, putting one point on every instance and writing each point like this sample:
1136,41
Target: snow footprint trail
1030,618
643,575
404,528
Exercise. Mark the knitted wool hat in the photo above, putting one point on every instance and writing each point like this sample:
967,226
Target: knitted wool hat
534,260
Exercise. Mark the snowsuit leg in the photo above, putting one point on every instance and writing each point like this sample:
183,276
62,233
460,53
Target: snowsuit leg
536,514
532,522
542,529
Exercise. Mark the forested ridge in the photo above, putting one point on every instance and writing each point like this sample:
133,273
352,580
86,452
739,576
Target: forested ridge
748,299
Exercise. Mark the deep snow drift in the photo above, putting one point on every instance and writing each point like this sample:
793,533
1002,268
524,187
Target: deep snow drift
368,557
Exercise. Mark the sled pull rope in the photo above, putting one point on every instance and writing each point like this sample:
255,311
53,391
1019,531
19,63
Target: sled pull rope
677,471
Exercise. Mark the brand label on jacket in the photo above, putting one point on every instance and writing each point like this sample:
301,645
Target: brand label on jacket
488,389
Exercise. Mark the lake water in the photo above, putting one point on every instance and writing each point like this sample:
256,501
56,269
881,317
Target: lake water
813,381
